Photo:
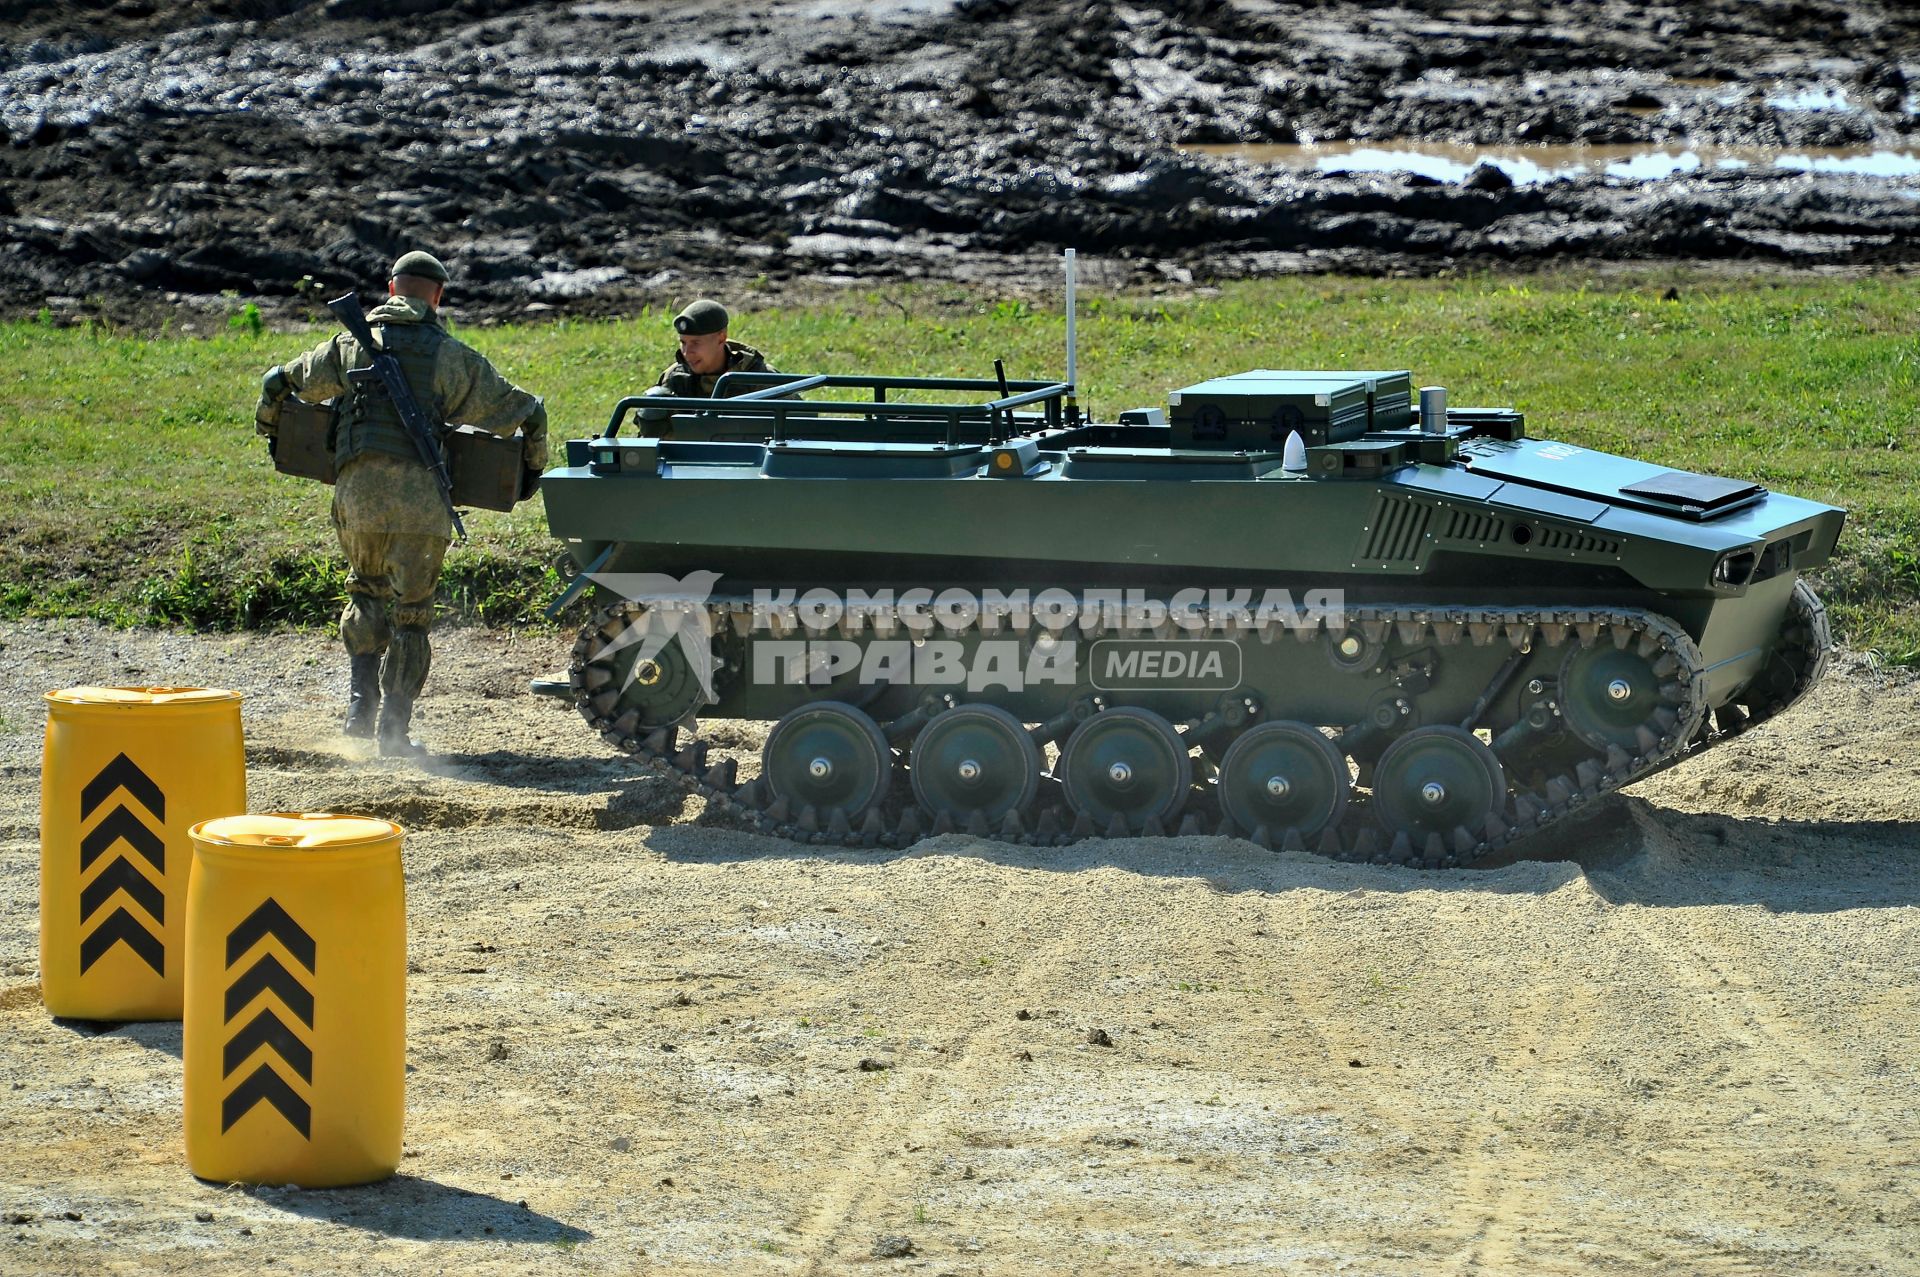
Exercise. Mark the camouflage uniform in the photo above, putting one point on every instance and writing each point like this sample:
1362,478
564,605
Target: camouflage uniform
679,379
392,524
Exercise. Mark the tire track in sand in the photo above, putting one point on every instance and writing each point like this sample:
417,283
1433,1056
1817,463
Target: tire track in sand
920,1095
924,1100
1764,1026
1499,1197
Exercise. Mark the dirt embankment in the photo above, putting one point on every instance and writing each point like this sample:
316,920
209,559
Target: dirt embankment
591,156
1680,1038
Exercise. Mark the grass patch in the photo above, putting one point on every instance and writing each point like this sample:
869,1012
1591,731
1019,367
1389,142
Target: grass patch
133,489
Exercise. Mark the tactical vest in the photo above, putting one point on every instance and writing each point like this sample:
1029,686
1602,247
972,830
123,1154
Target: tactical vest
684,381
368,420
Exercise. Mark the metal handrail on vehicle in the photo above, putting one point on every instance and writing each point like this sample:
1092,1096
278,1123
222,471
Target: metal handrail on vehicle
769,400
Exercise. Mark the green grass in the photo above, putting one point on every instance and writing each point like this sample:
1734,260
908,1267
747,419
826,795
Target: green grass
133,489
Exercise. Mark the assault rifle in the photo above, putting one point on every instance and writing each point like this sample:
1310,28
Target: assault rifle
386,374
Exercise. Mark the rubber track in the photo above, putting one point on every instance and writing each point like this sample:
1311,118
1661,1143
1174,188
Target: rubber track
684,761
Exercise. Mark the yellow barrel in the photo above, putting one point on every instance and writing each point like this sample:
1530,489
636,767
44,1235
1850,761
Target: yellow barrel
295,1035
126,773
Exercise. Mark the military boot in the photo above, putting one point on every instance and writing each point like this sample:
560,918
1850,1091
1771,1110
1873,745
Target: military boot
363,696
396,718
401,678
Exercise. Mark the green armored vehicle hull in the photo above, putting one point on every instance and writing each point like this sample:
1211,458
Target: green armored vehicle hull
1296,608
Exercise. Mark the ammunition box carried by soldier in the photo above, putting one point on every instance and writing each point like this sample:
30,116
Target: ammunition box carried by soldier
302,442
486,468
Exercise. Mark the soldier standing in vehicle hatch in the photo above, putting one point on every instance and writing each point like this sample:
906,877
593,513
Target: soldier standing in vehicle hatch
705,356
393,525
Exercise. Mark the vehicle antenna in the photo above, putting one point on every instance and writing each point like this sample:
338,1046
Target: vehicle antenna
1000,375
1073,346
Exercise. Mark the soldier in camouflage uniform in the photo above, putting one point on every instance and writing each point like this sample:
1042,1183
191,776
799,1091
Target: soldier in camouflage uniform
387,509
705,355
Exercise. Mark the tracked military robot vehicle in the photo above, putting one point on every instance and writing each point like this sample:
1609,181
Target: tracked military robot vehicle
1489,630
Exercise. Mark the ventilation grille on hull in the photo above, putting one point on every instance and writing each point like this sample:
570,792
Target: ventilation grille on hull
1394,533
1473,526
1581,542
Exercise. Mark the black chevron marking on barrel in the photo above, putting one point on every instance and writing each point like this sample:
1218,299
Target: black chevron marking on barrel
119,773
122,927
121,825
268,1030
122,876
268,974
264,1084
270,920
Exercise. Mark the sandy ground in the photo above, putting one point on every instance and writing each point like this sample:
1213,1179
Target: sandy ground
1679,1039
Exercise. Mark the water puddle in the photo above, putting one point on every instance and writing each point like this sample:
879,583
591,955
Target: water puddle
1811,100
1531,164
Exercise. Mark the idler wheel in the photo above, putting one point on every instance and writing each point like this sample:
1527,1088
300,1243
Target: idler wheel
1283,775
975,758
1126,762
1437,779
1614,696
1798,658
828,756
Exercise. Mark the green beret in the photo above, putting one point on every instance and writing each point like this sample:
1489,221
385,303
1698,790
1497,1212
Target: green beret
701,319
421,266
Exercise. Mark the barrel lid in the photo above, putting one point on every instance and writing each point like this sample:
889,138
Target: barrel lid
141,695
295,830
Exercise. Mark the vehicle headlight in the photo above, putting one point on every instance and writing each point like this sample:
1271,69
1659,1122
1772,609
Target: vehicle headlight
1735,568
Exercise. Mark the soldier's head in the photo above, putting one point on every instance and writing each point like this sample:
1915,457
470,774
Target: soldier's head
420,275
703,336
